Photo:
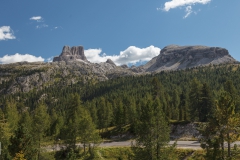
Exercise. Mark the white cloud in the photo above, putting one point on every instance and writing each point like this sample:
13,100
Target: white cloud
188,11
50,59
37,18
20,58
41,26
179,3
131,55
6,33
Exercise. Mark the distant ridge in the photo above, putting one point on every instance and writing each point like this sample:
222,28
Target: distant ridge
174,57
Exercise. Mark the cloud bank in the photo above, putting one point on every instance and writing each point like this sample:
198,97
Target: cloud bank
19,58
131,55
6,33
184,3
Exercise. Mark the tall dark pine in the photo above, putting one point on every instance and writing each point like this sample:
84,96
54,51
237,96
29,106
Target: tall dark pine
194,99
183,107
175,105
71,130
206,105
157,88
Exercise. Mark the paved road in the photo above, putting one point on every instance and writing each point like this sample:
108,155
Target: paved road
180,144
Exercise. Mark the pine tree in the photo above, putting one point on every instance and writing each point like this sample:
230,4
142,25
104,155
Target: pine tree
88,132
119,116
183,107
22,139
223,126
228,121
12,115
41,124
206,103
72,129
175,102
152,131
104,113
230,88
5,134
194,98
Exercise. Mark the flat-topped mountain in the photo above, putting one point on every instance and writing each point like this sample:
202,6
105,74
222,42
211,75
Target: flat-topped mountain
75,53
175,57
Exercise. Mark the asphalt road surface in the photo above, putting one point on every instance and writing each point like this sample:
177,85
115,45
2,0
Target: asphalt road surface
180,144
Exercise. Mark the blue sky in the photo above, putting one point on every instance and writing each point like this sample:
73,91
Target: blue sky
126,31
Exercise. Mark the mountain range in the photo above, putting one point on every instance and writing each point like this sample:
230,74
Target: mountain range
72,66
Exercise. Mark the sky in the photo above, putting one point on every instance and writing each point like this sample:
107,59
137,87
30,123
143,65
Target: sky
127,31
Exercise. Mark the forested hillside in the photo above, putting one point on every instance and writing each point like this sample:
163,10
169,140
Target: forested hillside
55,112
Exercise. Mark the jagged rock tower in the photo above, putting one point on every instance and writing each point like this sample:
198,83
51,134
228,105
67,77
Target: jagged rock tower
71,54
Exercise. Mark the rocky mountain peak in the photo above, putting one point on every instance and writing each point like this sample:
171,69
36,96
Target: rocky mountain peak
110,62
74,53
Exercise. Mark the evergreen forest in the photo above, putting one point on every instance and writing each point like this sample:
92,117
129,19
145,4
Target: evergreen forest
146,105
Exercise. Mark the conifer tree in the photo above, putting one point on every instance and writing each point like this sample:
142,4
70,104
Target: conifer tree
228,120
12,115
183,107
119,116
206,103
22,141
152,131
175,102
104,113
222,127
88,132
5,134
73,113
41,124
230,88
194,99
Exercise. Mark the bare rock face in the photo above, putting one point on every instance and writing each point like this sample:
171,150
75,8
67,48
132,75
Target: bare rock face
184,131
124,66
75,53
110,62
175,57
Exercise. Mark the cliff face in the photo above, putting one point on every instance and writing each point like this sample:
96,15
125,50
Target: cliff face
181,57
75,53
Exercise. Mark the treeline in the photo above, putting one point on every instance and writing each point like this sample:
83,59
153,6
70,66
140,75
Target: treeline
73,113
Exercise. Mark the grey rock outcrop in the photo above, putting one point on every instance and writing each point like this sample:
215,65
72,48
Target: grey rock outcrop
75,53
185,131
124,66
110,62
175,57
